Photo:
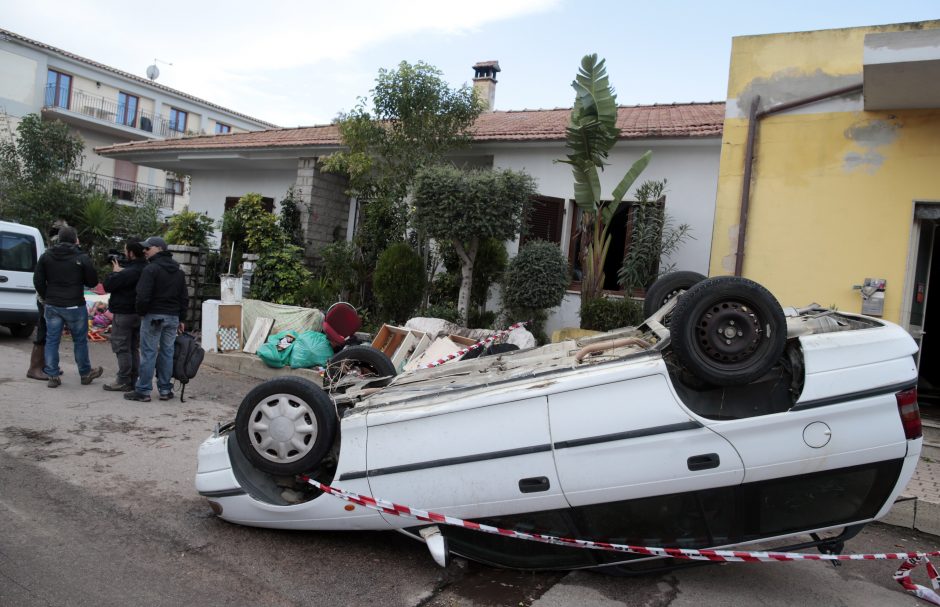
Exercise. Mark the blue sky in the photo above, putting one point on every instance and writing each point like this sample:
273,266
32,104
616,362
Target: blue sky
300,63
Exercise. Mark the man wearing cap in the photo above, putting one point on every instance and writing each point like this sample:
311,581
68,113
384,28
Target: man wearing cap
161,302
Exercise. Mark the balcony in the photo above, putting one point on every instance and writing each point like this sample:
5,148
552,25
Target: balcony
108,113
127,191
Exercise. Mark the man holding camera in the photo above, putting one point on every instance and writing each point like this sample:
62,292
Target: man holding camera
121,283
162,300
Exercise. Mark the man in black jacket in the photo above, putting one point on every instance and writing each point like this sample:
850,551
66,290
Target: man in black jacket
121,283
161,302
61,273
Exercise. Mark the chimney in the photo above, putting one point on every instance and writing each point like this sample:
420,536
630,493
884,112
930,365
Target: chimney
484,82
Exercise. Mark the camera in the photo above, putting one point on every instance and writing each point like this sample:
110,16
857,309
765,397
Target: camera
114,254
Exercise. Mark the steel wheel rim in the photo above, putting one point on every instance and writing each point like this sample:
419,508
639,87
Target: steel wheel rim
283,428
729,332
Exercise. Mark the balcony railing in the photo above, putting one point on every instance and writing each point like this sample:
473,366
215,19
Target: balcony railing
122,189
110,111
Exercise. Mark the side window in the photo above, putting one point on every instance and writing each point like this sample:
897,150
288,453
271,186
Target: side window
178,120
17,252
544,221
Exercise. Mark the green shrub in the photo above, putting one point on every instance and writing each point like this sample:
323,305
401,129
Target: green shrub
398,282
280,276
189,228
445,311
535,280
603,314
340,268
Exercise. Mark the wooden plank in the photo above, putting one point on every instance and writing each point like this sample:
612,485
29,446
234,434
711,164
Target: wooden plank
258,334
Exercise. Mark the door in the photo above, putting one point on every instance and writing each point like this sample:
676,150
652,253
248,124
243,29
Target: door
924,311
18,255
464,460
630,439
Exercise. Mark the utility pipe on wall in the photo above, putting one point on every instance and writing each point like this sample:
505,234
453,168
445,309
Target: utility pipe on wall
754,118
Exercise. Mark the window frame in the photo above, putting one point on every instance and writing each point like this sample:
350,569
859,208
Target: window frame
222,129
56,100
174,119
124,105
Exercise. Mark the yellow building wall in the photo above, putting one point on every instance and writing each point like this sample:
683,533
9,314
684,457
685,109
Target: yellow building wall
832,193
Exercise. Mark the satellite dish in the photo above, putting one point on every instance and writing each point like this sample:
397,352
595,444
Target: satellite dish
153,72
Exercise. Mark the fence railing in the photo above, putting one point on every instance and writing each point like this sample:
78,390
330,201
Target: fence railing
122,189
115,112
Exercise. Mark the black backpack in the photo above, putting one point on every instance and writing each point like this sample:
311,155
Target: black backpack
187,356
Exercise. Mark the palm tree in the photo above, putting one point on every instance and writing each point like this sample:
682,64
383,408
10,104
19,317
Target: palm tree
590,136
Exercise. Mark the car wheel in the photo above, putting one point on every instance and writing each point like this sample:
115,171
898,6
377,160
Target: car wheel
728,330
21,331
667,287
360,362
286,425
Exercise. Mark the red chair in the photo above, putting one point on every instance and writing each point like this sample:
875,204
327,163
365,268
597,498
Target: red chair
340,321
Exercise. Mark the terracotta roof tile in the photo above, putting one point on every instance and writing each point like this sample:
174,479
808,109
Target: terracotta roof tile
692,120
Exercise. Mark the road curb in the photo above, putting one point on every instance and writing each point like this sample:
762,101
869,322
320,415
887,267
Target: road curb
911,512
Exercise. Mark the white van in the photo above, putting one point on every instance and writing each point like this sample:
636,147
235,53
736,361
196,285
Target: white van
20,248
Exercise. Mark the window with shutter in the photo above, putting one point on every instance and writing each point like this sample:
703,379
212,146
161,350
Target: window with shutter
545,220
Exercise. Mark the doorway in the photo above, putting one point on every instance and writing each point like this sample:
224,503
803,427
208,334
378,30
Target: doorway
924,319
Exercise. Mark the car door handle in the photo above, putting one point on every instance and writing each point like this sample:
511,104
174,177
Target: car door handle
704,462
3,279
534,484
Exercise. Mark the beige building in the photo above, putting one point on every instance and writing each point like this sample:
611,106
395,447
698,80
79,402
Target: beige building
106,106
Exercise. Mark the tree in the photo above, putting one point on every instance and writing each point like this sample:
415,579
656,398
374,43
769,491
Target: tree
590,135
415,119
32,171
467,207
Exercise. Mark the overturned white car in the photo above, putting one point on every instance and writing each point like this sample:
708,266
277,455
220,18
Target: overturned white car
723,420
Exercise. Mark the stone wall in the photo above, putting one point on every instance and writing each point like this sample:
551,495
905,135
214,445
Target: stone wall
325,208
192,260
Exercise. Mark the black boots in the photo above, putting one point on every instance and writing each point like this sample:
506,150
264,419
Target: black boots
37,360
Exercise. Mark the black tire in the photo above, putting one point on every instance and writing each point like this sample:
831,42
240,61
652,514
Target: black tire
728,331
364,361
274,438
667,287
21,331
489,351
500,349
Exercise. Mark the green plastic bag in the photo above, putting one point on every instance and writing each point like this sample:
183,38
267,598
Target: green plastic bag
276,350
311,349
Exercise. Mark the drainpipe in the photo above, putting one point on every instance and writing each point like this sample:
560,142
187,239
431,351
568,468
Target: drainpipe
754,118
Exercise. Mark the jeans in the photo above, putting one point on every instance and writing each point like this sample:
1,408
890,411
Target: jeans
157,337
125,343
76,318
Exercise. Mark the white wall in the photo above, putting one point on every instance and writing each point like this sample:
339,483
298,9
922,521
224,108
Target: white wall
211,188
691,171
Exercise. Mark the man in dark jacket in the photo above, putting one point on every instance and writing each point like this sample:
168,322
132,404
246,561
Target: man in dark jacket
60,277
161,302
121,283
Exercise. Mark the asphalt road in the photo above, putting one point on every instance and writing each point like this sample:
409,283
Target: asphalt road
97,507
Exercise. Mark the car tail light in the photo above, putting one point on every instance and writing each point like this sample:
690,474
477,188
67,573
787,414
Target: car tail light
909,412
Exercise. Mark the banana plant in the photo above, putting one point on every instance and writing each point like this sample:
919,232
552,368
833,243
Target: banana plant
589,137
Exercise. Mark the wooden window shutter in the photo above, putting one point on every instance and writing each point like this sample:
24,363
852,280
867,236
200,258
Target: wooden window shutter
545,220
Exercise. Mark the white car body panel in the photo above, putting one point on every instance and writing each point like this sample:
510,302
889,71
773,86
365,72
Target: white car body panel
459,440
635,466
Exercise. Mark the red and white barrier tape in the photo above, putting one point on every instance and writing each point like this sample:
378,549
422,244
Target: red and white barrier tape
479,344
902,576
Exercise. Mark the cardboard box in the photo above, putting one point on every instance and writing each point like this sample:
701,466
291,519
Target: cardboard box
400,344
438,349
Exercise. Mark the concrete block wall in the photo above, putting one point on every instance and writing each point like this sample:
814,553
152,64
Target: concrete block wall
192,261
325,209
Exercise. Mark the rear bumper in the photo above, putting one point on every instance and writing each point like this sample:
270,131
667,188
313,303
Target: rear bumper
19,317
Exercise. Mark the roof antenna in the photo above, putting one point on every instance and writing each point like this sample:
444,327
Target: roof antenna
153,72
